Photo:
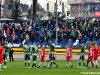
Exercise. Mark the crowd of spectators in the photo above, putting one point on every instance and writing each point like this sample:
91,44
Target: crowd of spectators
42,31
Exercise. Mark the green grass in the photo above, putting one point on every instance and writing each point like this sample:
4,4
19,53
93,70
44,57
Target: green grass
17,68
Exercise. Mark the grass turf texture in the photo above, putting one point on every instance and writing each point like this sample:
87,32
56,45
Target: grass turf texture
17,68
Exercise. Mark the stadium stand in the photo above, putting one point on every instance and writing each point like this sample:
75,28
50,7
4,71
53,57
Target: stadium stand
81,30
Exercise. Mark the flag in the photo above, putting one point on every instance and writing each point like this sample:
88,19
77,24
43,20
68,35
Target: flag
91,8
97,8
5,34
23,41
97,13
88,1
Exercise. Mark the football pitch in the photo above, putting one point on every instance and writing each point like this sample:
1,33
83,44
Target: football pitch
17,68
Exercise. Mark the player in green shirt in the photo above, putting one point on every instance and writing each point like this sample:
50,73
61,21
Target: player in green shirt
34,52
27,54
52,56
82,57
5,55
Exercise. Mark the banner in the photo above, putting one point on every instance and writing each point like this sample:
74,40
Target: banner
88,1
97,8
97,14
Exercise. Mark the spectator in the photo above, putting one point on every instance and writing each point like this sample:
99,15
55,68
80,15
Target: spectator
32,36
80,38
84,38
13,38
41,38
91,36
0,31
27,38
11,54
72,34
7,32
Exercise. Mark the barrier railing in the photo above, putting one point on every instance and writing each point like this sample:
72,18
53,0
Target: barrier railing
19,50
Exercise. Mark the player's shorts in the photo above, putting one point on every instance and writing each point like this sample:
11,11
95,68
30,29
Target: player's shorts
51,56
68,58
1,59
96,57
90,58
34,57
5,56
81,57
42,58
27,56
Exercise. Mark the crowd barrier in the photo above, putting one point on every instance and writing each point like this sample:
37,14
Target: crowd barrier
19,50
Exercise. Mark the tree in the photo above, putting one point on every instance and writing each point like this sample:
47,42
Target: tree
38,9
17,3
24,7
29,13
11,1
7,2
34,9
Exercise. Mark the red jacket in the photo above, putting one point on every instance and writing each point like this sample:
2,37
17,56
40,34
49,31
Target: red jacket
8,31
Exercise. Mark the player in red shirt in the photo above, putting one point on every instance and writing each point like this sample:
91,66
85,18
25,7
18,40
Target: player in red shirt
68,55
1,56
91,54
42,56
96,54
